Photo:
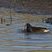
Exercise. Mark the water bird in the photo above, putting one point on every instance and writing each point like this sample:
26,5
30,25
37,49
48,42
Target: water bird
30,28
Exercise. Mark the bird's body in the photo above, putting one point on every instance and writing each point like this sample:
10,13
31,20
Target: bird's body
30,28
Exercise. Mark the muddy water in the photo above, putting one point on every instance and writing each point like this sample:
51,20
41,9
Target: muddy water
12,39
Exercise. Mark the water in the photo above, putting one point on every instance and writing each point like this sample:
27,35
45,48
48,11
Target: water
12,39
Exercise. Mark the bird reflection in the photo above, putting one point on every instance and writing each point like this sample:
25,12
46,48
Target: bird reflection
27,35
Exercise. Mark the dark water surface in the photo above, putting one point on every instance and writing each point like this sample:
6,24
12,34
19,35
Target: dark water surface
13,39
